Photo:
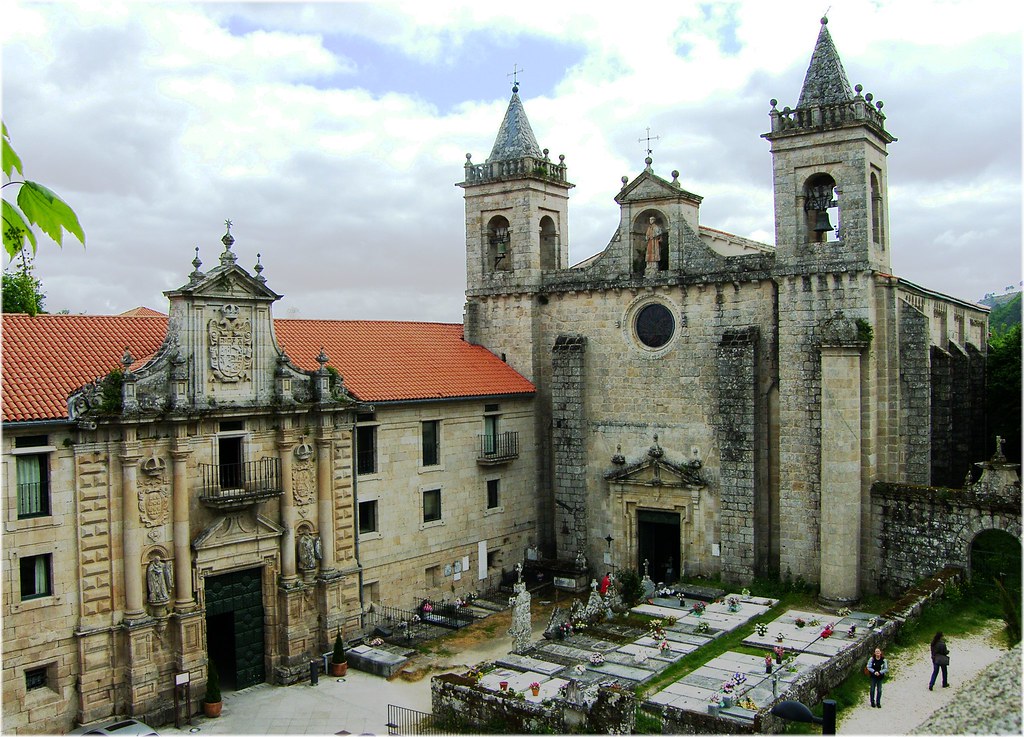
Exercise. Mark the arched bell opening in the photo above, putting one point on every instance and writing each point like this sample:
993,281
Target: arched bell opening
548,244
499,241
821,209
877,213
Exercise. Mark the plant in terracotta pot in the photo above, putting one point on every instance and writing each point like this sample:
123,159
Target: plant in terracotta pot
212,703
535,688
339,661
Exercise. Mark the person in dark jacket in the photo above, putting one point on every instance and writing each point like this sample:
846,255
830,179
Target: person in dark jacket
940,659
876,669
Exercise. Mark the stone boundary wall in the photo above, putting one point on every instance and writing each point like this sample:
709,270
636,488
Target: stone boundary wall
457,699
812,687
921,529
915,393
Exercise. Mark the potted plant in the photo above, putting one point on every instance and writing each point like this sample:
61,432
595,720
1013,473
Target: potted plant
212,703
535,688
339,661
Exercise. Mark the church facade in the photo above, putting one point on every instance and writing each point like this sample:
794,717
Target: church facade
213,485
714,406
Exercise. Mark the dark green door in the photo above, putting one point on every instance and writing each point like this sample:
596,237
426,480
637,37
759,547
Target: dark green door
234,626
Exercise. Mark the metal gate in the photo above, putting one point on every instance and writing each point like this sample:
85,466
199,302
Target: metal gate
235,602
995,556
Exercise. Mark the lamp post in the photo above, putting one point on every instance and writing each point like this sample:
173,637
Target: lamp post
794,711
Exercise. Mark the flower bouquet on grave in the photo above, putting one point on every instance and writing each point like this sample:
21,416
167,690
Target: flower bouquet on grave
800,622
732,602
702,628
669,621
728,689
748,704
814,622
768,663
738,678
579,668
376,642
779,637
872,622
843,611
714,703
698,608
535,688
852,632
663,646
428,607
761,629
828,631
745,593
596,659
779,652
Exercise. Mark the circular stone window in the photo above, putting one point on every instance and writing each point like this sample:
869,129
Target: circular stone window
655,325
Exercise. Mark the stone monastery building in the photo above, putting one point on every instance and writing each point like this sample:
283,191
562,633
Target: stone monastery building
217,484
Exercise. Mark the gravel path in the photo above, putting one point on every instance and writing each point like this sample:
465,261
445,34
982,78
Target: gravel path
906,700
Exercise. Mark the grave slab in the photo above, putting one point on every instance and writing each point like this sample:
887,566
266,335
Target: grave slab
524,662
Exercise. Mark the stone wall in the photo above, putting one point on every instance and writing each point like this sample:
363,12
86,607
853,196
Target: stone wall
461,706
570,451
922,529
737,396
915,394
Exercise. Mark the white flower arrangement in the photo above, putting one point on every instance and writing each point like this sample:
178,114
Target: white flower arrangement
761,628
596,658
843,611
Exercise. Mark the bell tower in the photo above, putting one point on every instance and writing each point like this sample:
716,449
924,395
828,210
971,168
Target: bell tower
516,210
829,159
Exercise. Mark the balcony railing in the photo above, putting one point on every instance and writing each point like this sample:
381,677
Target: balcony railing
498,448
239,485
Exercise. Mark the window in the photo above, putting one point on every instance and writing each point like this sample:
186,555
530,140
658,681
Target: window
655,325
366,449
431,442
35,576
231,467
432,576
33,472
367,517
490,434
493,496
371,593
35,678
432,505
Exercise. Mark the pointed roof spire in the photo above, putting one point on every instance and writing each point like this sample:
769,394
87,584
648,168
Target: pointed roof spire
825,82
515,137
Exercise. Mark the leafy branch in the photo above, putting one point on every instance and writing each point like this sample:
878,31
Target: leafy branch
36,206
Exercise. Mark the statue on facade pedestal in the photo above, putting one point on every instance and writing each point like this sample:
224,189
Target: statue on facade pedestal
309,551
158,581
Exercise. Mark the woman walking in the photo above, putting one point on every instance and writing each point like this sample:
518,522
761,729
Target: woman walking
876,669
940,659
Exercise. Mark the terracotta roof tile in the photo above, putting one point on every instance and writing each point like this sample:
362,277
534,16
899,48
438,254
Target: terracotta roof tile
46,357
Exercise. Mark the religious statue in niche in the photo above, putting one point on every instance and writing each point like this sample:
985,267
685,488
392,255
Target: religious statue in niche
653,238
230,346
158,581
310,551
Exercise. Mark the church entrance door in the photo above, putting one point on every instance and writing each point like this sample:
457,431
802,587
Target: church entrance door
658,543
234,627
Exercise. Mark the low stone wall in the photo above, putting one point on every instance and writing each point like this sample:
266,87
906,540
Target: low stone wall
457,701
811,688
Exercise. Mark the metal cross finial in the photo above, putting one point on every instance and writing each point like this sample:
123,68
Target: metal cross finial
227,223
515,77
648,140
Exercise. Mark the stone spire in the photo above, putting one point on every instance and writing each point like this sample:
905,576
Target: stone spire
515,137
825,82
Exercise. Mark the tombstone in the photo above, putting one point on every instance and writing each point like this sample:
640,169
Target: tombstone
521,628
559,616
595,604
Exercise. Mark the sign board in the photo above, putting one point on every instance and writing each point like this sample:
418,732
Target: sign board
180,679
565,583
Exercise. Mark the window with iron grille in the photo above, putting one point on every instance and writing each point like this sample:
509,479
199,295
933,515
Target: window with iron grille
35,576
493,497
35,678
432,505
366,449
431,443
367,517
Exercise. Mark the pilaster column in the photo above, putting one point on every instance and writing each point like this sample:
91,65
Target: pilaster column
130,541
184,597
325,499
284,450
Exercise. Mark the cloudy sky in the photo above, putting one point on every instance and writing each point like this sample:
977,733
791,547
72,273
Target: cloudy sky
332,133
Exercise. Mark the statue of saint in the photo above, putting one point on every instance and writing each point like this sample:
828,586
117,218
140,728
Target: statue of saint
158,581
653,236
309,551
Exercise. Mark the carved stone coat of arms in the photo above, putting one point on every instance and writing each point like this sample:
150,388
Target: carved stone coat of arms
230,349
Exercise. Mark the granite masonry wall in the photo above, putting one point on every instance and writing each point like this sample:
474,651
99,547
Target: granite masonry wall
570,453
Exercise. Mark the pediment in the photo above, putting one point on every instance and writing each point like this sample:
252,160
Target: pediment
235,529
230,283
650,187
659,472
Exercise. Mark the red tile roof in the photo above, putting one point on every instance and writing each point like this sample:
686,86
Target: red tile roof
46,357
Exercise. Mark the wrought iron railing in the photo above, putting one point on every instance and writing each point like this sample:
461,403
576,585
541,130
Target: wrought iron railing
409,721
240,484
498,447
443,614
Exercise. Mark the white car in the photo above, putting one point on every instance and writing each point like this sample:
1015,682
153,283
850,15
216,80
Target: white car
127,726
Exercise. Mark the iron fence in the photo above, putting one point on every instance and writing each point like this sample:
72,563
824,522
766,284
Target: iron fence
409,721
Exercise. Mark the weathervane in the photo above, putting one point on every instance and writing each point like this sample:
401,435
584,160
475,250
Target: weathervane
515,77
648,140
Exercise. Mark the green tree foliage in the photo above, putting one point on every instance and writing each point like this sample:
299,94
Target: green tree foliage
1004,316
1003,388
35,205
22,292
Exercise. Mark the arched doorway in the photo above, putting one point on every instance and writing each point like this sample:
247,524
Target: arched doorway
995,556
